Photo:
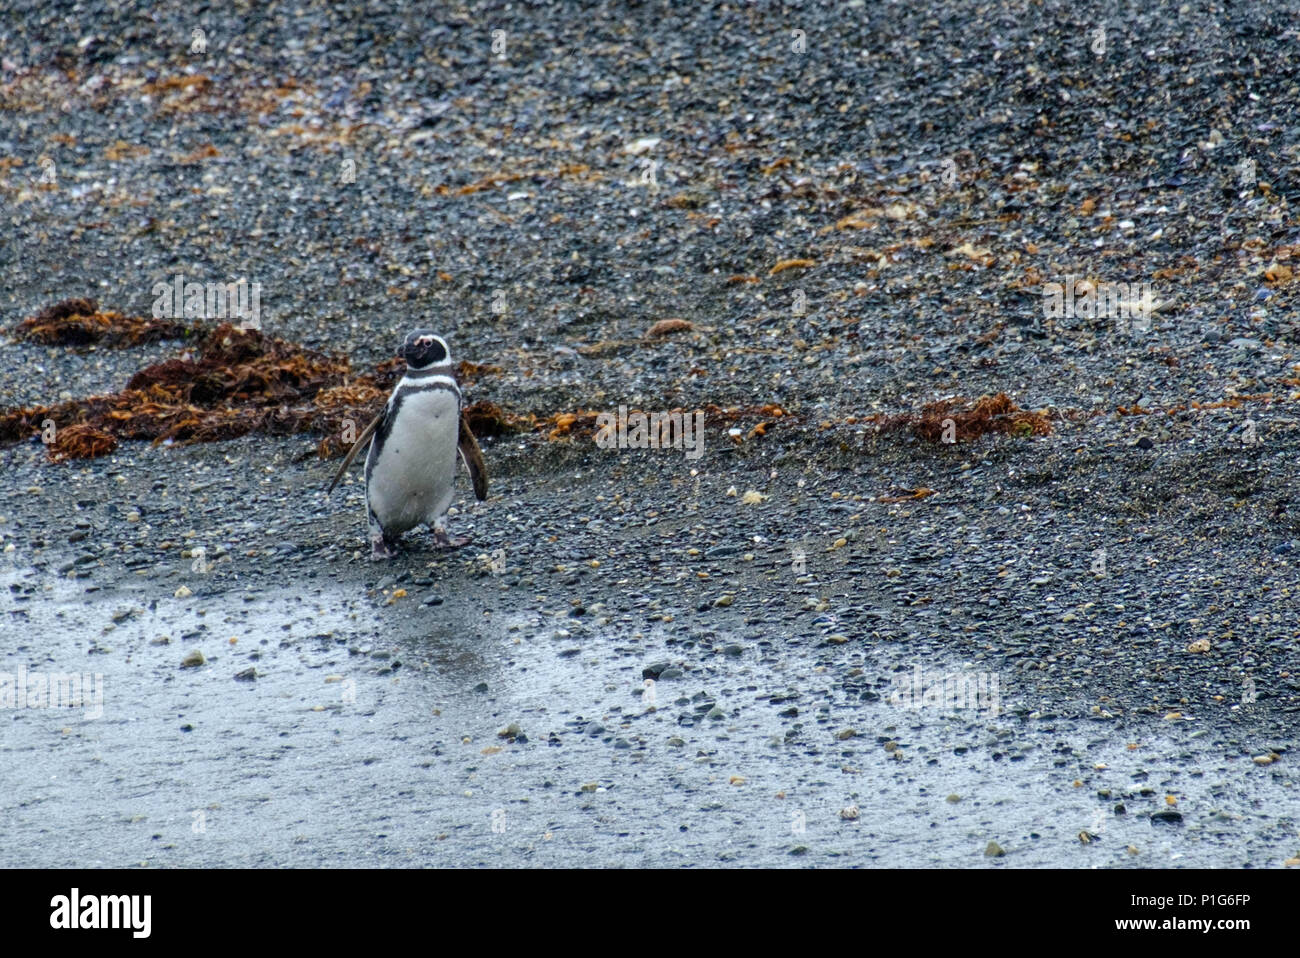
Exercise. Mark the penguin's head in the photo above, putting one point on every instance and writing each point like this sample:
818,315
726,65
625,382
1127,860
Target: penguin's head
424,348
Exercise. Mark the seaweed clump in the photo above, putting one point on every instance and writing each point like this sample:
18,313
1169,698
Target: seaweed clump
80,322
956,419
240,382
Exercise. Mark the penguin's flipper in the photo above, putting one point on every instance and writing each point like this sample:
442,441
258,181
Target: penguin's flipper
473,459
352,453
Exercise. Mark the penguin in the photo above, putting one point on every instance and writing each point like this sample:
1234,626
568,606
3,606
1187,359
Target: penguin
414,443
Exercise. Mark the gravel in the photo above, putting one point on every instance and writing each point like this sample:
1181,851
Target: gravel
544,209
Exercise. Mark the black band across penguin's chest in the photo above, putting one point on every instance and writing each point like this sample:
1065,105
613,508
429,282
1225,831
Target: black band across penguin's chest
417,382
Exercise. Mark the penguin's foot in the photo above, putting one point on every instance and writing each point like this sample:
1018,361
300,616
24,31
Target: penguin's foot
381,548
444,541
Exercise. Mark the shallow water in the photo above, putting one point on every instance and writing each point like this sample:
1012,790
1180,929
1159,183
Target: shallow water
369,737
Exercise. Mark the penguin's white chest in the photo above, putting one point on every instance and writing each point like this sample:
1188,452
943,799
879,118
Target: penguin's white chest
411,474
